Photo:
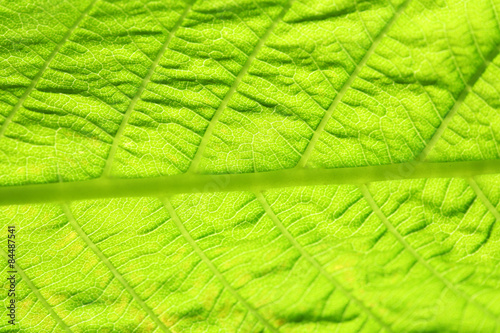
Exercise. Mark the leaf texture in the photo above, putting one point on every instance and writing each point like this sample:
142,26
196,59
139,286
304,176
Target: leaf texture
251,165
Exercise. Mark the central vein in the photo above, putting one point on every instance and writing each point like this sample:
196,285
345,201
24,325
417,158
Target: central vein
260,181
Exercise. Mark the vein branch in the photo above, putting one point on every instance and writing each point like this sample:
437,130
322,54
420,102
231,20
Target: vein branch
376,209
211,126
458,103
211,266
315,263
38,295
37,77
112,268
326,117
138,94
483,198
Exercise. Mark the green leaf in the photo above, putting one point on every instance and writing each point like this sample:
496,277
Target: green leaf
251,165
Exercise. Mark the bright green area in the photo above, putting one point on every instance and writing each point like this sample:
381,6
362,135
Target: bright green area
251,165
412,255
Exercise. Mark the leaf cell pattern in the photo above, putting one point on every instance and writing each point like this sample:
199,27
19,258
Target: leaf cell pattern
252,165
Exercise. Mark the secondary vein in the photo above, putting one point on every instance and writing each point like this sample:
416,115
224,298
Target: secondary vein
39,295
460,100
112,268
473,184
376,209
211,266
211,126
112,152
315,263
44,67
319,130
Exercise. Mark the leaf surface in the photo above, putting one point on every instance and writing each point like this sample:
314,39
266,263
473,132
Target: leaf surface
251,165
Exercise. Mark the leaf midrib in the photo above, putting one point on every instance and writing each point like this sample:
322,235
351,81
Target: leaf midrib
260,181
